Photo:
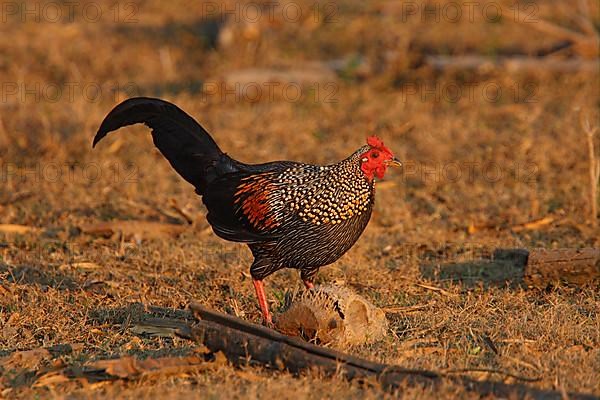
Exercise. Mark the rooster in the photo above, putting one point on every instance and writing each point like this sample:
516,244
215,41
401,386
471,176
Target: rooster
290,214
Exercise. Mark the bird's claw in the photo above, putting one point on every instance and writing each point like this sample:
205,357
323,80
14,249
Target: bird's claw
269,324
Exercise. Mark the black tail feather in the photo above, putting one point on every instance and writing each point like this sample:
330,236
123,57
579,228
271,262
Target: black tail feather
185,144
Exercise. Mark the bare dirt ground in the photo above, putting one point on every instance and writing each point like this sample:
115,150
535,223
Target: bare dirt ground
506,149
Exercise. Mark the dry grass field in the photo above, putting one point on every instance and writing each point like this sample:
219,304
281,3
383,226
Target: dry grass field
486,150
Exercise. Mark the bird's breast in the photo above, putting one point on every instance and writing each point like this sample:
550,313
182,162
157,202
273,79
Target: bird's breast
329,199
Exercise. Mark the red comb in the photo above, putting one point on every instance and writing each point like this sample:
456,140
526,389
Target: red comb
374,141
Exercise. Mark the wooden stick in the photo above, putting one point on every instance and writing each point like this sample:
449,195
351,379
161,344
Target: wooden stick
512,63
246,343
535,268
269,353
575,266
543,267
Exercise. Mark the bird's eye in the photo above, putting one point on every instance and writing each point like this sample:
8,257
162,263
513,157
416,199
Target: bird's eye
375,154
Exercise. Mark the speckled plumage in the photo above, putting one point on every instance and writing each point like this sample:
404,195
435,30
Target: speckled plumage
290,214
316,212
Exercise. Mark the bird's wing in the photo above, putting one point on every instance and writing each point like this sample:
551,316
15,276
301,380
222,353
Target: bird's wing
245,207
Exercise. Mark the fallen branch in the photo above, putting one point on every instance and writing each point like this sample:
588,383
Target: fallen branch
575,266
512,64
493,371
535,268
245,343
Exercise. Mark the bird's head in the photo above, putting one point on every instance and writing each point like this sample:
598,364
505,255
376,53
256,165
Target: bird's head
375,160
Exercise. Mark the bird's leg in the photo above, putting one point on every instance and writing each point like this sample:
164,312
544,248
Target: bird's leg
262,301
308,277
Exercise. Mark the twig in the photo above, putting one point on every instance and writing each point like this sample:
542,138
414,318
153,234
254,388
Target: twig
178,210
425,331
522,363
594,166
583,18
493,371
392,309
16,197
436,289
584,43
17,229
557,31
533,225
154,209
517,341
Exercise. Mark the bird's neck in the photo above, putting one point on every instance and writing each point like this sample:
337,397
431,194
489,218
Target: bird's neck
349,170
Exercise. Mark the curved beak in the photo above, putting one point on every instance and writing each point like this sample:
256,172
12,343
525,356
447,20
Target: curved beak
394,162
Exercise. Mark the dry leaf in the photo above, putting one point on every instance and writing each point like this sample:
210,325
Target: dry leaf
121,367
51,378
143,229
5,292
29,359
86,265
472,228
152,330
130,367
531,225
